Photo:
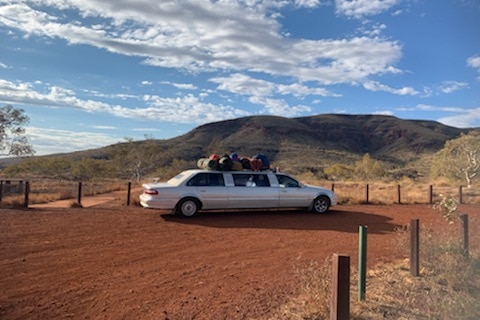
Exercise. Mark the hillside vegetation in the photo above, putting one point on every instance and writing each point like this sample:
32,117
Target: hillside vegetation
319,139
295,144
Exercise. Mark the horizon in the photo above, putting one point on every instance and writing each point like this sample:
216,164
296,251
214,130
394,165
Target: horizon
91,73
326,114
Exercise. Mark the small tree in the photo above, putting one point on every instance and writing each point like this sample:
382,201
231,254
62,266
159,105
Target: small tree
368,168
339,171
136,158
176,166
53,167
459,159
448,206
13,141
87,169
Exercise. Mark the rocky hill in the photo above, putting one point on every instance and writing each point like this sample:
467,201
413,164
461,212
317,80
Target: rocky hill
315,141
325,139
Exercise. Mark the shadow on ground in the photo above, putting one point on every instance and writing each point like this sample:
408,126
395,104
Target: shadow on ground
336,220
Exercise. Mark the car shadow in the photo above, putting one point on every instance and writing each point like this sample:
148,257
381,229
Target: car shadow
335,220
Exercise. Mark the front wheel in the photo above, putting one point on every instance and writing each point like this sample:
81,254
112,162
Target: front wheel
321,204
187,207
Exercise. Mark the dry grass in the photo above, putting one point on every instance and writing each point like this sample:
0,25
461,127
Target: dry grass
48,190
349,192
448,286
381,192
313,293
444,289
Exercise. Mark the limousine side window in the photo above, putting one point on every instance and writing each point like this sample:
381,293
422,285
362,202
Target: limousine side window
207,179
250,180
287,182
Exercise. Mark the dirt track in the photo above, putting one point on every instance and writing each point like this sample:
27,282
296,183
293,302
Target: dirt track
133,263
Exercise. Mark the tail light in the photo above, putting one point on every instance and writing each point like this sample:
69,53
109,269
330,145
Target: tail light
150,191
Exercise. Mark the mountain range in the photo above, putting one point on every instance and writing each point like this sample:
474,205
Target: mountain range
317,140
314,141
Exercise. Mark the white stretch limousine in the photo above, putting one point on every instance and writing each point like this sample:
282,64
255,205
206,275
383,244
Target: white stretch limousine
194,190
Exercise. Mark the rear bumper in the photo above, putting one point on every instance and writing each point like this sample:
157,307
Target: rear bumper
148,201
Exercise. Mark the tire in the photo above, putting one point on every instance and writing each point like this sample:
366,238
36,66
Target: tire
321,204
187,207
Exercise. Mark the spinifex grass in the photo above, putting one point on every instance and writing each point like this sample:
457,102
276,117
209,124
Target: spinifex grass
447,288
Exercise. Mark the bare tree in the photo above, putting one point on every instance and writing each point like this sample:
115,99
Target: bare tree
13,141
459,159
135,158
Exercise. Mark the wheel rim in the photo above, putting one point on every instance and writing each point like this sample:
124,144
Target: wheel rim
189,208
321,205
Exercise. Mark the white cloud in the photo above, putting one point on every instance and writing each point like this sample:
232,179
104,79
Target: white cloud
245,85
279,107
209,36
146,130
362,8
374,30
186,109
397,12
183,86
384,113
459,117
105,127
56,97
445,87
452,86
425,107
307,3
299,90
474,62
376,86
467,118
52,141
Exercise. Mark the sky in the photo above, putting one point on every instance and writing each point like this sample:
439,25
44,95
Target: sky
91,73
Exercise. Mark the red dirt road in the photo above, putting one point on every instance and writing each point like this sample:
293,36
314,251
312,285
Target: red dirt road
133,263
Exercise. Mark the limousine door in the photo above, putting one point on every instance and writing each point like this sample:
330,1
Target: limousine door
291,193
211,190
252,190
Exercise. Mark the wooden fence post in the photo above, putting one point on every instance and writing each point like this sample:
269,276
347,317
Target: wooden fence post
414,247
129,193
367,194
1,190
362,262
27,192
464,218
398,194
340,302
79,196
431,194
460,195
333,187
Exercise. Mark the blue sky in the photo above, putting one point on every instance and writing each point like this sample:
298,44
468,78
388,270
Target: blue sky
90,73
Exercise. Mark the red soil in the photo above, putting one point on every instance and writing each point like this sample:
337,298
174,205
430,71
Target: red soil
109,262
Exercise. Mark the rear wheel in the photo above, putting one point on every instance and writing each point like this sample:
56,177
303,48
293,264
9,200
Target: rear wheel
321,204
187,207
